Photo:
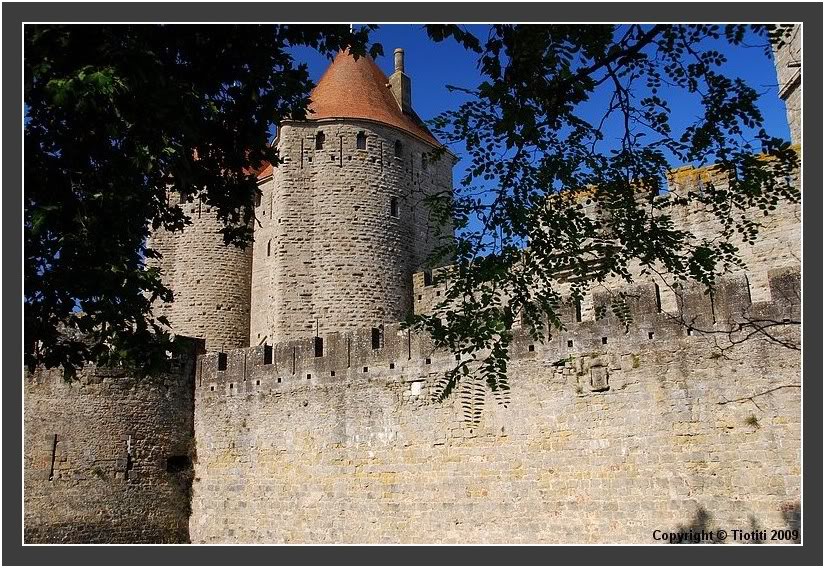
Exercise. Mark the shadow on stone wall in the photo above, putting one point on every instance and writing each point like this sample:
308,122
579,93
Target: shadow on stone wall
792,513
702,524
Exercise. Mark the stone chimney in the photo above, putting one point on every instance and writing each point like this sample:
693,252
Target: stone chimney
400,83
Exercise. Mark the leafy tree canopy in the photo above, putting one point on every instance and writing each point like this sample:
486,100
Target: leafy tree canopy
519,210
116,115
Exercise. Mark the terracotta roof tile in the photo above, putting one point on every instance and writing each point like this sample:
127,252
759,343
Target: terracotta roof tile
353,88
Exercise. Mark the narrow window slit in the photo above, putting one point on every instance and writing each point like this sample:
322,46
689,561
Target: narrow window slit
712,307
54,454
658,298
129,464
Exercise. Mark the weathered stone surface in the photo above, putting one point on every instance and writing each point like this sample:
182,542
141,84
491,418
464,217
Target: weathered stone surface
96,454
788,62
287,452
342,229
210,280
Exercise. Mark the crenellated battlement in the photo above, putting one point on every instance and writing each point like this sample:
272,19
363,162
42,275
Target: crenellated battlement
655,407
393,353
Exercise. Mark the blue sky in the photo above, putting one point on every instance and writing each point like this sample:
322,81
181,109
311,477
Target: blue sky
432,66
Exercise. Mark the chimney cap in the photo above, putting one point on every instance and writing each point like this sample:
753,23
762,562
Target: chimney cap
398,56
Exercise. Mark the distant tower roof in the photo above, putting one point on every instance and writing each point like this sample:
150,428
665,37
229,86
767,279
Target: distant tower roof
353,88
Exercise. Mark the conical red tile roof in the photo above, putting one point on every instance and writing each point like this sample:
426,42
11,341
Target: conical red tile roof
358,89
353,88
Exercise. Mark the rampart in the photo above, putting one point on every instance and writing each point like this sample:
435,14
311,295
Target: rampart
108,456
610,434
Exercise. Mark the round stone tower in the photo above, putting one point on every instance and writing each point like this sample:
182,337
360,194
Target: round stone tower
343,220
210,280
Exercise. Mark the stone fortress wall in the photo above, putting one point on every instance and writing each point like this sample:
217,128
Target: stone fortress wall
610,434
108,456
342,229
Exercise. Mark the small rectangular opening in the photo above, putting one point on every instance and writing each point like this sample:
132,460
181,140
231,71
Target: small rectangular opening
319,346
428,278
332,373
570,343
427,361
267,354
531,348
392,366
178,464
376,338
258,382
366,369
279,379
690,331
578,311
222,361
309,376
650,335
604,341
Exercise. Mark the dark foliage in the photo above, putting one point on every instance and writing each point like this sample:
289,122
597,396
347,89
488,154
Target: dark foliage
548,193
116,116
